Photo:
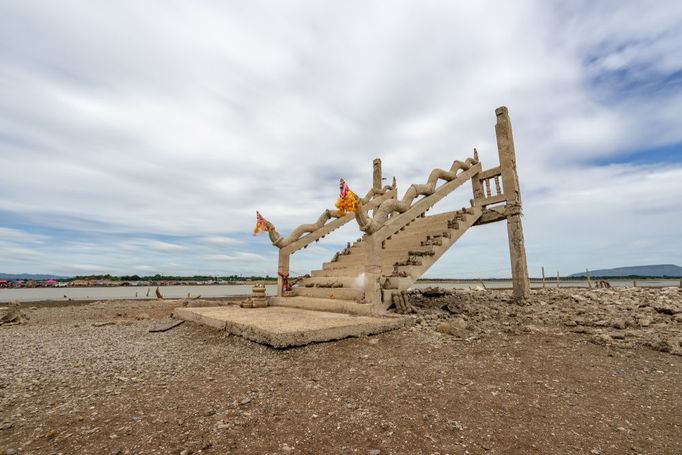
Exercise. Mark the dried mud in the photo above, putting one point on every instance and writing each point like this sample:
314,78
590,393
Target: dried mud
572,371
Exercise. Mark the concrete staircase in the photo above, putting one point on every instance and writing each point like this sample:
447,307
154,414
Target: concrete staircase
405,256
400,243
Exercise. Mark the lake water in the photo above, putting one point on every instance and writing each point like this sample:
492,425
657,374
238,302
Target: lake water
126,292
210,291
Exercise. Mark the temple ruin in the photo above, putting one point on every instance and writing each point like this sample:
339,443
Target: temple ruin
400,242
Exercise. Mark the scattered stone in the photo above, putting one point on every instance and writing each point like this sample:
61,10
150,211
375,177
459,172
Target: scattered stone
374,452
455,327
664,346
11,452
455,425
601,339
644,322
116,451
13,315
434,292
619,324
453,308
102,324
667,308
6,425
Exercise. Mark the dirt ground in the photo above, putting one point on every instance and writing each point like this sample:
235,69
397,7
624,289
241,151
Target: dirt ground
573,371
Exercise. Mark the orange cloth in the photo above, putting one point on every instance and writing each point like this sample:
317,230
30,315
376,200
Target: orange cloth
262,225
347,200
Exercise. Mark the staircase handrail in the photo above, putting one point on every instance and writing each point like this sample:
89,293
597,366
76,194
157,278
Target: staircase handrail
405,207
298,239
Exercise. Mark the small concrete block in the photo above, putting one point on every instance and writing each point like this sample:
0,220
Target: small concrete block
283,327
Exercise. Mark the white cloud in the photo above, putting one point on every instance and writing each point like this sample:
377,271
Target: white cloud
18,235
165,247
200,114
220,241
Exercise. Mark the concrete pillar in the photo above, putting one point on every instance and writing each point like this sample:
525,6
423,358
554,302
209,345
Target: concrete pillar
372,270
512,191
282,268
376,174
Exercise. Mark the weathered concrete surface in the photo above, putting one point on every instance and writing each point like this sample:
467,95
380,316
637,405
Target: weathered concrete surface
283,327
329,305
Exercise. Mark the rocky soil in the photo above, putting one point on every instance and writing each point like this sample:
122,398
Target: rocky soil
572,371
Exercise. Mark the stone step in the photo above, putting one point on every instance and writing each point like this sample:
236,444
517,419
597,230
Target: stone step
389,257
415,239
328,281
330,293
421,228
330,305
339,272
416,270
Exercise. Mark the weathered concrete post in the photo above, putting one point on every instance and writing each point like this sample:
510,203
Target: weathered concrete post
376,174
282,270
512,191
476,185
372,270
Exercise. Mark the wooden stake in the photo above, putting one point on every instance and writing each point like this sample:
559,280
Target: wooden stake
557,280
587,274
543,277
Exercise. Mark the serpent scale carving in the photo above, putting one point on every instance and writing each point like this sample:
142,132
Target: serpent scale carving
296,234
372,224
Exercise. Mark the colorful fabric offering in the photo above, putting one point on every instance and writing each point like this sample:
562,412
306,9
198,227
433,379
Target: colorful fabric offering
347,200
262,225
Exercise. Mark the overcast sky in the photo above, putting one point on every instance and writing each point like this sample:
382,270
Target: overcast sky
141,137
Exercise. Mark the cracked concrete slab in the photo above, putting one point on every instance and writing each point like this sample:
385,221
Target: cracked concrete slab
283,327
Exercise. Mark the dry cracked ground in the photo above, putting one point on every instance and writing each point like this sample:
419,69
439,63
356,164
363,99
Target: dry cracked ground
572,371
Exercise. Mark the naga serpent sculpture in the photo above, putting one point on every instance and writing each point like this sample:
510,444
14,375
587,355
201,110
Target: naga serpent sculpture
372,224
281,242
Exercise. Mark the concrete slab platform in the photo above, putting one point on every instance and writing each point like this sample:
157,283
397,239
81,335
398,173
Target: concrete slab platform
328,305
283,327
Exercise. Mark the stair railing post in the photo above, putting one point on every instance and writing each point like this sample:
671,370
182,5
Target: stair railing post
372,269
512,191
376,174
282,270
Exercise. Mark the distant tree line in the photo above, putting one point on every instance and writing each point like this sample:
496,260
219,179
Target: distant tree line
159,277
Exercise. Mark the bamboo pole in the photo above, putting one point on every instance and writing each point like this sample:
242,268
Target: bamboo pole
557,280
543,277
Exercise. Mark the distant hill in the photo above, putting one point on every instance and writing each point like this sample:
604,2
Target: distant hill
661,270
29,276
